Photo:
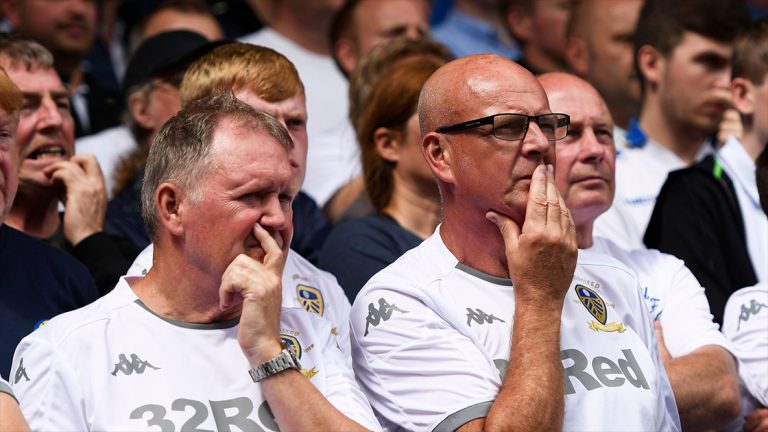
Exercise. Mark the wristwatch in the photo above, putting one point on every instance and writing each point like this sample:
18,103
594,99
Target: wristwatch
286,360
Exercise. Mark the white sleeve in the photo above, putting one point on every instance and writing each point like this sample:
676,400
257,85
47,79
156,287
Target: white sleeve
667,417
686,318
418,371
45,385
745,323
341,308
342,390
617,226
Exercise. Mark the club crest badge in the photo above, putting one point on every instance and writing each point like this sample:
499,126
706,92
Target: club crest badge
311,299
597,308
292,343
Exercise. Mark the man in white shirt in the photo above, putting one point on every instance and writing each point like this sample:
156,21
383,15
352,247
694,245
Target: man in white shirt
174,348
682,53
696,356
480,326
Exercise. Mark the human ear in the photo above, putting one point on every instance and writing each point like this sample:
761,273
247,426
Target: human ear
577,56
387,145
138,105
437,153
743,95
651,64
346,54
169,200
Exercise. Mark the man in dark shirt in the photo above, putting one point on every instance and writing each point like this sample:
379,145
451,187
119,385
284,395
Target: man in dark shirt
37,281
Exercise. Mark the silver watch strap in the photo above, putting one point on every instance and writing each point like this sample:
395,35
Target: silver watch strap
284,361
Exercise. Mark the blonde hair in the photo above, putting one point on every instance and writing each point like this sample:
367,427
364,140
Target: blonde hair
238,66
10,95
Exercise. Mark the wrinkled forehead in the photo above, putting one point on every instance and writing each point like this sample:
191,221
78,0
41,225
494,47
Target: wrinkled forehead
492,94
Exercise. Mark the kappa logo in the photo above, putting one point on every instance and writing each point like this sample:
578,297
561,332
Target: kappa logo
292,343
311,299
21,372
134,365
747,312
596,307
480,317
383,313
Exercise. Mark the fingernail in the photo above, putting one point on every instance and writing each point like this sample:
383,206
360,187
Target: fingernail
550,169
491,217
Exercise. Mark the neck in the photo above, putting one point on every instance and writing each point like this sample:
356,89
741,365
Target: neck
415,209
310,33
584,235
753,141
477,10
542,62
69,71
621,116
481,248
178,291
684,142
35,212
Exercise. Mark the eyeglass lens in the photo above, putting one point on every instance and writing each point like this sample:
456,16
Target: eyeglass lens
514,126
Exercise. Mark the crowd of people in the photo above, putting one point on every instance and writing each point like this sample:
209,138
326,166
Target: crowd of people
466,215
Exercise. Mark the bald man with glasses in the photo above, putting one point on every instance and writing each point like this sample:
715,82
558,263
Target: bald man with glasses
432,334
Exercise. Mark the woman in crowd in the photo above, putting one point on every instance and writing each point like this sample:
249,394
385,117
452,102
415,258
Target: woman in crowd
397,180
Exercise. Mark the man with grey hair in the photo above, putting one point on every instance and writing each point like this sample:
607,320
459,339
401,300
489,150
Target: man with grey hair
217,198
50,172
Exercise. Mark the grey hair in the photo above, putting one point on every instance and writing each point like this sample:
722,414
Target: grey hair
180,153
26,52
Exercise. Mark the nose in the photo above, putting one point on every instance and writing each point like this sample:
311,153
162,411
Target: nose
276,215
535,144
590,149
50,115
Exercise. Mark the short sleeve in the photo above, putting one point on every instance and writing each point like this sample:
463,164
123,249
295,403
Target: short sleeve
342,390
45,385
418,372
686,318
745,323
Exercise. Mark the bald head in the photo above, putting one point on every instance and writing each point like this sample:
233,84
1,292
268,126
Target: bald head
457,91
586,157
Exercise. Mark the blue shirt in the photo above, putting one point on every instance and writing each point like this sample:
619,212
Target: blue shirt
465,35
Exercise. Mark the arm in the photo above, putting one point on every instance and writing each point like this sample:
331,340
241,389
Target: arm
705,383
541,259
258,286
12,420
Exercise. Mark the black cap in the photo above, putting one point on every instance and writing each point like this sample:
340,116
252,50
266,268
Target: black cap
164,52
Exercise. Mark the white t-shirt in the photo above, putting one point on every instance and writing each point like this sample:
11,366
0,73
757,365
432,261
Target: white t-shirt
109,146
333,158
672,294
304,286
431,336
745,323
115,365
640,174
741,169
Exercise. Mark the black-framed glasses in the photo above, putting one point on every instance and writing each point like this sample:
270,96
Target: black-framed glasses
513,126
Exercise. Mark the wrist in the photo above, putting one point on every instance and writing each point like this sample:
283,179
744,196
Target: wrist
259,354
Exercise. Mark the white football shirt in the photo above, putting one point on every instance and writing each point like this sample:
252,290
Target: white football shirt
430,338
745,323
640,174
672,294
115,365
304,286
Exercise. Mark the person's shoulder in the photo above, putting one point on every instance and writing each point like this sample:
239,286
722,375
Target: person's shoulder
39,255
79,324
113,136
299,268
415,269
602,259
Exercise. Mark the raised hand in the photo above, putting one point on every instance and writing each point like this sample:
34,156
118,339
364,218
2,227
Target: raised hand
257,286
83,194
542,254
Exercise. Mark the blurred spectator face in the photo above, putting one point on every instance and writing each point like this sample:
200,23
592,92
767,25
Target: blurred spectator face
410,161
66,27
380,21
586,156
162,103
292,113
693,82
9,162
543,28
605,55
46,131
167,20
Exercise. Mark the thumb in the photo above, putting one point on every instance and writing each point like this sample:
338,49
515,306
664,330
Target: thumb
510,231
